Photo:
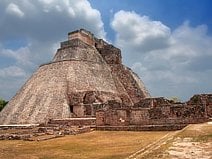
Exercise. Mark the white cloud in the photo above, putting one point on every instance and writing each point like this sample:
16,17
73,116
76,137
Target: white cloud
12,71
14,9
176,63
42,25
21,56
50,20
80,11
140,31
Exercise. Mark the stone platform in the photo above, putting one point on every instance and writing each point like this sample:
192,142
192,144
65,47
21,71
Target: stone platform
142,128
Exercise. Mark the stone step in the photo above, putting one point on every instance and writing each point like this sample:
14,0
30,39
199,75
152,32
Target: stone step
142,127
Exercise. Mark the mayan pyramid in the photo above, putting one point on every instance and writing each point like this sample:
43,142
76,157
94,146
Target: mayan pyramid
84,73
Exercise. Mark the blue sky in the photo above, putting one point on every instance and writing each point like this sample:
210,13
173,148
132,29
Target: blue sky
166,42
171,12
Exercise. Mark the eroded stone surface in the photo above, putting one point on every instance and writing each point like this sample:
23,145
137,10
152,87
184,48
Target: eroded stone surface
157,111
85,74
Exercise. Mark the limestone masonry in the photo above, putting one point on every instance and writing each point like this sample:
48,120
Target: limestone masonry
85,79
85,74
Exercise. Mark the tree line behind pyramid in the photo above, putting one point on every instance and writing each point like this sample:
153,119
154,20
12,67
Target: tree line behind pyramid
86,78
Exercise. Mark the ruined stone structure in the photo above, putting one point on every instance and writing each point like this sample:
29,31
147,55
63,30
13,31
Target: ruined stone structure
155,114
85,74
87,81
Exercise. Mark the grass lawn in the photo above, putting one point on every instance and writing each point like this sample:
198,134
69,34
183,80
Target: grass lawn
95,145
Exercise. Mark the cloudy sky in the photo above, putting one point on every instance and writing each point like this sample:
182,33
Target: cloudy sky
168,43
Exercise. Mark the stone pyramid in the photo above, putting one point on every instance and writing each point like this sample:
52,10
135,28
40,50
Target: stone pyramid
85,73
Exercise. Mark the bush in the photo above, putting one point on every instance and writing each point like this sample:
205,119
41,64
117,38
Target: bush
2,103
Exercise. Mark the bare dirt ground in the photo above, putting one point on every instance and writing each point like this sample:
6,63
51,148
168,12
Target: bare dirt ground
196,145
183,148
193,142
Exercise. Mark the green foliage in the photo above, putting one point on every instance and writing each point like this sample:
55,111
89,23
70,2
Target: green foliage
2,103
195,99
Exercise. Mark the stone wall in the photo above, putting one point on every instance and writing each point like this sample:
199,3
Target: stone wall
74,121
138,116
77,50
158,111
111,54
84,35
131,83
205,100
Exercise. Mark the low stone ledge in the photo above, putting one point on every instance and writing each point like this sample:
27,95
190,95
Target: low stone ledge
15,136
142,128
74,121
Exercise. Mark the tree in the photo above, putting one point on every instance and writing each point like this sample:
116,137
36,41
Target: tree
2,103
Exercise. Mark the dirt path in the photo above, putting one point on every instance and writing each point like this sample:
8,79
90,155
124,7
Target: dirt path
185,148
180,146
191,148
149,148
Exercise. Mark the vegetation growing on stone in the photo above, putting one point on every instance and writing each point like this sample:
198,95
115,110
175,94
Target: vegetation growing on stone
2,103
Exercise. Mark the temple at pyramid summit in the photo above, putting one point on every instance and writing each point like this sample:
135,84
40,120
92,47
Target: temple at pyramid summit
86,79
